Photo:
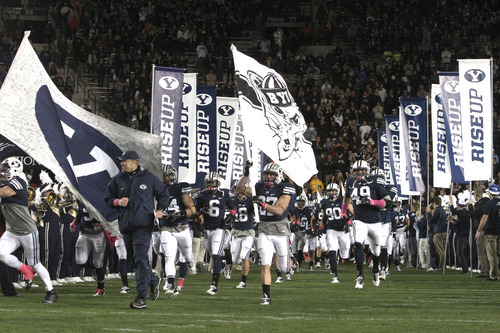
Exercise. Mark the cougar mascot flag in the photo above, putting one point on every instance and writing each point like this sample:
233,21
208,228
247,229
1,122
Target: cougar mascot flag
77,146
272,119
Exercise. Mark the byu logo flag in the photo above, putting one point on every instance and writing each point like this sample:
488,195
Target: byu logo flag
272,118
76,145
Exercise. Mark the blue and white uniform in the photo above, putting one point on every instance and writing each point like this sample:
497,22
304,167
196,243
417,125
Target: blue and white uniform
176,240
274,230
243,232
337,239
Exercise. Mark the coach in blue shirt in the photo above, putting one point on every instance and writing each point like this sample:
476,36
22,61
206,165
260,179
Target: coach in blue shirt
132,192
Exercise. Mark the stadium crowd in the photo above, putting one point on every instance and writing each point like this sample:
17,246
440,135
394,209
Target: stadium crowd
376,53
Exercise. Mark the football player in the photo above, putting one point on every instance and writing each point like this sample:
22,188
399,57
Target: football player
91,241
322,249
175,232
337,235
212,203
243,236
273,197
302,216
402,222
386,216
367,197
20,228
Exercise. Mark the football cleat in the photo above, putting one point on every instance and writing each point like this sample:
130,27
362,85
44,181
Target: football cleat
288,277
311,268
154,289
125,290
382,275
360,282
398,268
180,288
227,272
99,292
50,297
327,265
279,279
212,290
318,265
85,279
28,284
376,279
266,300
171,291
241,285
335,279
138,303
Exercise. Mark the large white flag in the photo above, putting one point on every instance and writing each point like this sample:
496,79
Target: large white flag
76,145
476,95
273,121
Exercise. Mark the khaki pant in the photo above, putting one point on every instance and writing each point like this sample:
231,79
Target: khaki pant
423,252
481,255
492,252
439,240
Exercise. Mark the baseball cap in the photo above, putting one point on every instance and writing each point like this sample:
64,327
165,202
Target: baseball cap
494,189
462,202
129,155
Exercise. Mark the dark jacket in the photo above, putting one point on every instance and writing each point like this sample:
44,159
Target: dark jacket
438,220
477,212
141,189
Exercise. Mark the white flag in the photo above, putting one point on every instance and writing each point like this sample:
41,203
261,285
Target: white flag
441,160
76,145
272,118
476,95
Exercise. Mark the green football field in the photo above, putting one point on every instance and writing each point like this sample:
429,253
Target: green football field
409,301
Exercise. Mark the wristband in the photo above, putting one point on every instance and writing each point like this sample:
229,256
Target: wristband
343,211
232,212
115,202
377,203
264,205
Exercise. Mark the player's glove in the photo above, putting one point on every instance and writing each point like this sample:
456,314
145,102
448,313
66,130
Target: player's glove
98,226
204,210
176,216
248,165
229,219
257,200
347,226
295,227
394,235
365,200
72,225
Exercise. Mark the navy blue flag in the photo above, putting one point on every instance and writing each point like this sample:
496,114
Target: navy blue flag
413,126
206,138
166,107
450,95
8,149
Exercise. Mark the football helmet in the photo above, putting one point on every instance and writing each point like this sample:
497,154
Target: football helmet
333,191
301,201
360,169
212,181
11,167
269,170
169,171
